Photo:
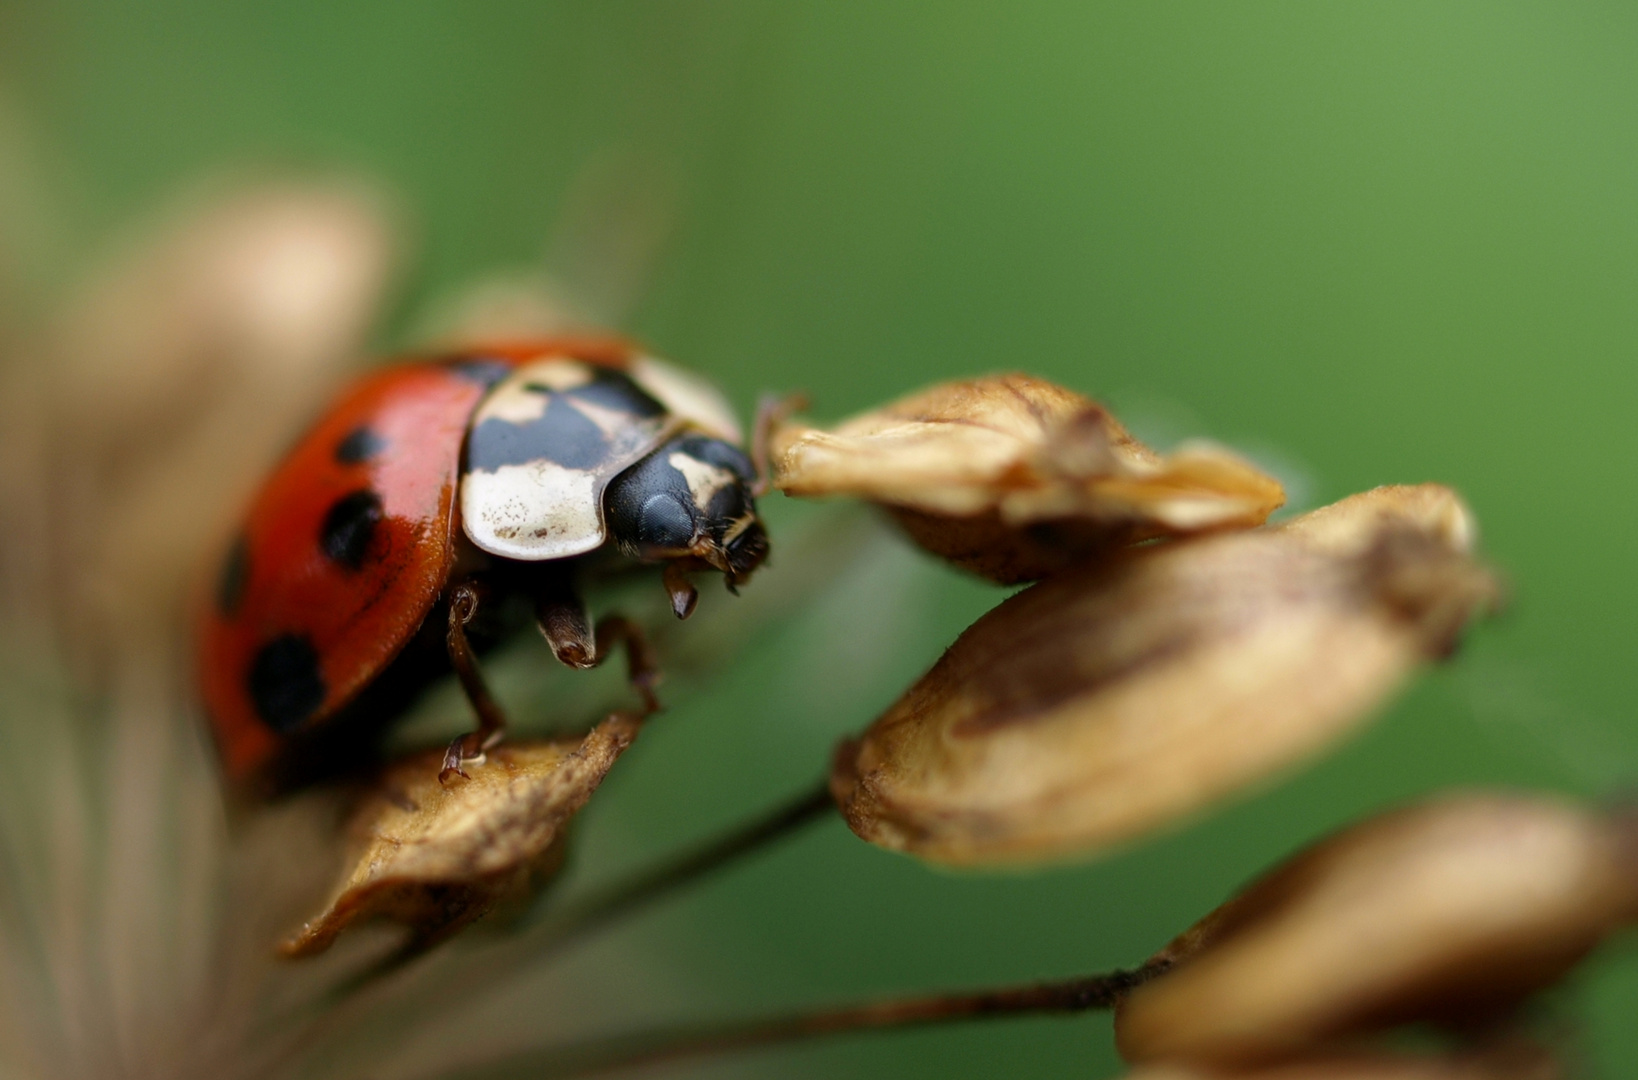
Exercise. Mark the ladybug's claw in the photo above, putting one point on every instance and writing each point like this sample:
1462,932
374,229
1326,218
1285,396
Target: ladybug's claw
463,605
452,763
453,757
463,752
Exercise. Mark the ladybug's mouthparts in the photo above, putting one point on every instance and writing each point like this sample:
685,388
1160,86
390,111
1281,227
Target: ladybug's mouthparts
747,552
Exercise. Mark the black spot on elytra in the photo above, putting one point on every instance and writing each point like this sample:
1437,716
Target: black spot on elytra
349,527
285,682
358,446
561,434
230,587
483,370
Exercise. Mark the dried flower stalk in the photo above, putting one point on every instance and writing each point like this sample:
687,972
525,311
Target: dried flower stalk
1452,911
1511,1061
1015,478
1103,703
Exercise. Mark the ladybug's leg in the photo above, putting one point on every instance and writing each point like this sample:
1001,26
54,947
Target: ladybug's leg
566,625
463,605
771,410
641,670
677,586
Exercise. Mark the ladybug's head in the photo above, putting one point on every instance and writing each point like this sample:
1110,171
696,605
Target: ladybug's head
689,504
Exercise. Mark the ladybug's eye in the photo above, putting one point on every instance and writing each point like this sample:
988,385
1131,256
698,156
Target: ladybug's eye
665,524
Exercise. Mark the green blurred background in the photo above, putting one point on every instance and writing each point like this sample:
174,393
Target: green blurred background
1366,243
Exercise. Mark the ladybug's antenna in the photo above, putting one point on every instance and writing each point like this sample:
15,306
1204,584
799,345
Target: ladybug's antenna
771,411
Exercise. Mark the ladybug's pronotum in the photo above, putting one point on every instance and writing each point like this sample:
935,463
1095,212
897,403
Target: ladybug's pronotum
432,489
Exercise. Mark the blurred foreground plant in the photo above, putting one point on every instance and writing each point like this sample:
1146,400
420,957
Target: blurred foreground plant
135,928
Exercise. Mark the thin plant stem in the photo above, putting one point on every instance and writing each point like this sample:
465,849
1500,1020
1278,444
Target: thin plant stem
584,917
666,1044
573,922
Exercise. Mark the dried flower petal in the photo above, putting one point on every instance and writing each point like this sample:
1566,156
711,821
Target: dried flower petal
435,858
1014,478
1450,911
1107,701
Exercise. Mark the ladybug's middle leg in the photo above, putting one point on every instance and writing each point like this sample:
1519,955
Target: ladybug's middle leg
463,605
567,627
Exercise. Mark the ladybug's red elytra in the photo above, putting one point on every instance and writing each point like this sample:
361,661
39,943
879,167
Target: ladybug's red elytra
436,488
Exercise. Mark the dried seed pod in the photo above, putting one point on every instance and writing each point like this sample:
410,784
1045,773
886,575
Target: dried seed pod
1015,478
1452,911
1507,1062
1107,701
436,858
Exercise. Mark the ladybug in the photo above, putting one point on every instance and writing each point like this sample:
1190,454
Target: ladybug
433,490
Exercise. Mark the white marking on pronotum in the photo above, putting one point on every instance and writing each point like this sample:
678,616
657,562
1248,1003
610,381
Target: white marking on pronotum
704,479
538,510
510,401
688,396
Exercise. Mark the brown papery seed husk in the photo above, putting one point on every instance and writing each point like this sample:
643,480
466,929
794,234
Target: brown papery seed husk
1105,702
436,857
1452,912
1014,478
1509,1062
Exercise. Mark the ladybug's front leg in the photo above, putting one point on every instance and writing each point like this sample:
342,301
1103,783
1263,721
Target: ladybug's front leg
566,625
463,605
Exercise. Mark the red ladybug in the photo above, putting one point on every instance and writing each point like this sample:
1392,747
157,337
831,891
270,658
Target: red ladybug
432,489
